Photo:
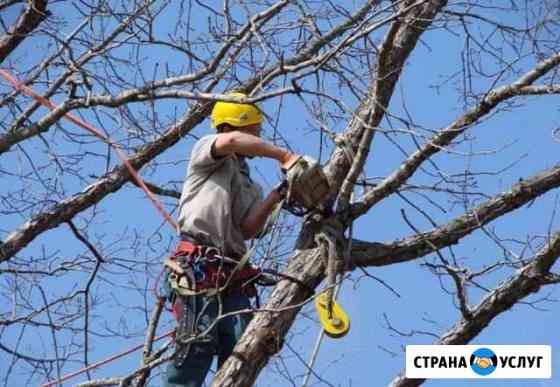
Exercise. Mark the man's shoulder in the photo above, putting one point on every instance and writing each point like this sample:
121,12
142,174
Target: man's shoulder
203,156
207,138
204,144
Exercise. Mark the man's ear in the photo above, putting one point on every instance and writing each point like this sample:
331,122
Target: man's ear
224,128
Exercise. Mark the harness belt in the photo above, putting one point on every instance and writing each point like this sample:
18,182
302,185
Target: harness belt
201,270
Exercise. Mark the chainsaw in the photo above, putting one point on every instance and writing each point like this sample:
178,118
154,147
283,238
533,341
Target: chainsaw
307,186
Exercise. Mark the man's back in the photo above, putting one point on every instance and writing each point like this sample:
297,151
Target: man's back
217,195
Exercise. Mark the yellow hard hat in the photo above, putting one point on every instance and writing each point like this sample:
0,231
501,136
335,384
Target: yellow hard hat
235,114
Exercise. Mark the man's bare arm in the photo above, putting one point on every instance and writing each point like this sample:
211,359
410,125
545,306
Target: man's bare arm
249,145
256,219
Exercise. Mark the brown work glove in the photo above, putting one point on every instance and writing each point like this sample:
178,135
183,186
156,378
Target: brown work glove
288,161
307,184
282,188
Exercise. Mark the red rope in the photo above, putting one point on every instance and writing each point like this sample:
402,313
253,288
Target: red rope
103,362
92,129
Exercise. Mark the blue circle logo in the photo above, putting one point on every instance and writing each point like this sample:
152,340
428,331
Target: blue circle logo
483,361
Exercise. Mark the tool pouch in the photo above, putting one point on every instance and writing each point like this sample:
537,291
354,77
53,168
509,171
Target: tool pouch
180,277
308,186
184,281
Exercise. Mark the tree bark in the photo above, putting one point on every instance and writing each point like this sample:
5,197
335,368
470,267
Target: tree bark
380,254
104,186
30,18
525,282
265,334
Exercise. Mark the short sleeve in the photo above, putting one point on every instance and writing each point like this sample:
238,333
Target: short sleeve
201,156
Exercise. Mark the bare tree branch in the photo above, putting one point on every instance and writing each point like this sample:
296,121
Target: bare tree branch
95,192
378,254
255,348
29,20
395,50
392,182
525,282
331,76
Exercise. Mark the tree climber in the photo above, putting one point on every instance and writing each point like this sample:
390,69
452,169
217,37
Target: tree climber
220,208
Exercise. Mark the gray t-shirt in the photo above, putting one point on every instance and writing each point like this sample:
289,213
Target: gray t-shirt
217,196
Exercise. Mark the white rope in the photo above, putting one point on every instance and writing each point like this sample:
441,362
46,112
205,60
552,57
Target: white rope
321,334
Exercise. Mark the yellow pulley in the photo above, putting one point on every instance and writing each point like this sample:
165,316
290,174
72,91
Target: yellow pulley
335,322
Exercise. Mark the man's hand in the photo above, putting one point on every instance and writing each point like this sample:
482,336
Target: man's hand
282,189
254,222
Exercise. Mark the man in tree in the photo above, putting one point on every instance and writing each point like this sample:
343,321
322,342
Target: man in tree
220,208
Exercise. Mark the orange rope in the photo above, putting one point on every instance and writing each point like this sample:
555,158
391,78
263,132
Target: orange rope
45,102
102,362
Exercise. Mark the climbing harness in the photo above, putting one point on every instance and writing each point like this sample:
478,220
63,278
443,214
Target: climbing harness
201,270
204,269
196,270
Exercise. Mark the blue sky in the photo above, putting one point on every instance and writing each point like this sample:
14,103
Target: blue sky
370,355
